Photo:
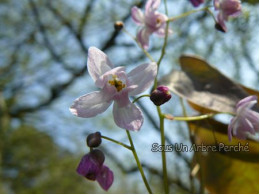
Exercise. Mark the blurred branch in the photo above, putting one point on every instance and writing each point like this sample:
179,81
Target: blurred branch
85,17
58,89
65,22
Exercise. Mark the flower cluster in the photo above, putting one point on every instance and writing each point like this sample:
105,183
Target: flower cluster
92,165
246,120
151,22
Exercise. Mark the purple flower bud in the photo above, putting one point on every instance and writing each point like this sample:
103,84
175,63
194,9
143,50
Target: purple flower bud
246,120
91,164
94,139
160,95
105,178
196,3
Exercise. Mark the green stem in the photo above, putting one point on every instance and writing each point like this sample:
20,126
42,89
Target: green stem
164,165
138,163
117,142
193,118
136,99
164,46
191,12
197,155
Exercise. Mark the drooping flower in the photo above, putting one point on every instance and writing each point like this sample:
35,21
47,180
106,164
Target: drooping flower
115,85
151,21
92,167
91,164
196,3
160,95
227,8
246,120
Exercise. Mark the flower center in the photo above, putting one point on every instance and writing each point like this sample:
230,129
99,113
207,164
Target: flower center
119,85
158,21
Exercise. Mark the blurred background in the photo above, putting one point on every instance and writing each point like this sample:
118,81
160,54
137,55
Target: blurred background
43,55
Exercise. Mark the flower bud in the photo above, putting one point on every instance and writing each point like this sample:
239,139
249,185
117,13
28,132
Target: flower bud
118,25
94,139
220,28
160,95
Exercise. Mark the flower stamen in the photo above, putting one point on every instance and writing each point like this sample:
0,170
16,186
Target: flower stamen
119,85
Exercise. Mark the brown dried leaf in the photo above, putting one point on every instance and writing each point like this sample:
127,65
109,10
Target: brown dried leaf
205,88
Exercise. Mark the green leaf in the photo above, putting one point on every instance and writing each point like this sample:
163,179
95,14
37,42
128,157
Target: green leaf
204,87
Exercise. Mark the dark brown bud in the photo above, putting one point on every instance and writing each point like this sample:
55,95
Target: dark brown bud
220,28
94,139
118,25
160,95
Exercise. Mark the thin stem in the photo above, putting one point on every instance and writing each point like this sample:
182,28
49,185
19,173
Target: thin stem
188,118
134,38
164,46
117,142
193,118
164,165
191,12
197,155
136,99
138,162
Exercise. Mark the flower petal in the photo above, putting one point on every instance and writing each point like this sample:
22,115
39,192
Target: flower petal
246,100
137,15
129,117
253,117
98,63
143,37
91,164
230,127
231,7
90,105
151,6
221,21
142,76
105,178
216,4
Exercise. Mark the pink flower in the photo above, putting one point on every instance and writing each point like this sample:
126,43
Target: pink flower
227,8
246,120
196,3
151,22
115,85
